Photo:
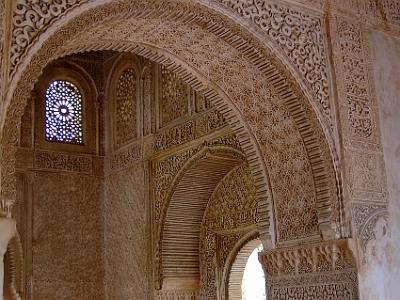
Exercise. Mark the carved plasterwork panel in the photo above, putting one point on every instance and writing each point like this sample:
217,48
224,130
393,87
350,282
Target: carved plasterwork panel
174,97
175,136
387,11
335,286
67,236
209,122
299,35
392,8
125,107
126,238
63,162
367,176
358,104
26,131
200,125
365,168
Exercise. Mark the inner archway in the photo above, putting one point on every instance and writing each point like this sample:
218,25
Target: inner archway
253,281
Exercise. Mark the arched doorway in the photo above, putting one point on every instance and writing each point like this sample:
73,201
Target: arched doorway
246,278
276,126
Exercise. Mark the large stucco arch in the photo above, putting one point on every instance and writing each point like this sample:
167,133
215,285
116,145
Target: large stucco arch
245,67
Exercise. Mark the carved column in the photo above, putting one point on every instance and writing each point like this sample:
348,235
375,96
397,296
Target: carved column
317,271
7,231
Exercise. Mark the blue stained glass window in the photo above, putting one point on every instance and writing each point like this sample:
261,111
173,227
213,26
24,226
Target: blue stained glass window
63,113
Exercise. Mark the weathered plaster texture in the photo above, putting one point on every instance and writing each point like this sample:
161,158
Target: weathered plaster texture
381,280
67,237
126,242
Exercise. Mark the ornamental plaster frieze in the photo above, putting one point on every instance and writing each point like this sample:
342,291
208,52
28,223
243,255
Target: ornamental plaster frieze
321,257
317,271
28,159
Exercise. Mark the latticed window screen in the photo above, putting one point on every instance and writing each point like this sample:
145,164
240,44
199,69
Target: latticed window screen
63,113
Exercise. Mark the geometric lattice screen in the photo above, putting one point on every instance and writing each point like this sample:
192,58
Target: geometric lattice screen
63,113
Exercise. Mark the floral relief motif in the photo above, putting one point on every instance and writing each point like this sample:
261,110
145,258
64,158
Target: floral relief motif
299,35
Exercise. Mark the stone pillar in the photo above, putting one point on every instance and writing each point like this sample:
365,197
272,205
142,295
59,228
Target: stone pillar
8,229
326,270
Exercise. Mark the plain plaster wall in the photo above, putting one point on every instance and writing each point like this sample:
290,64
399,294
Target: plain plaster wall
126,240
382,278
67,236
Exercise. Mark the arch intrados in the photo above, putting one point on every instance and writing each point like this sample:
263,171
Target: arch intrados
202,174
220,151
242,132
